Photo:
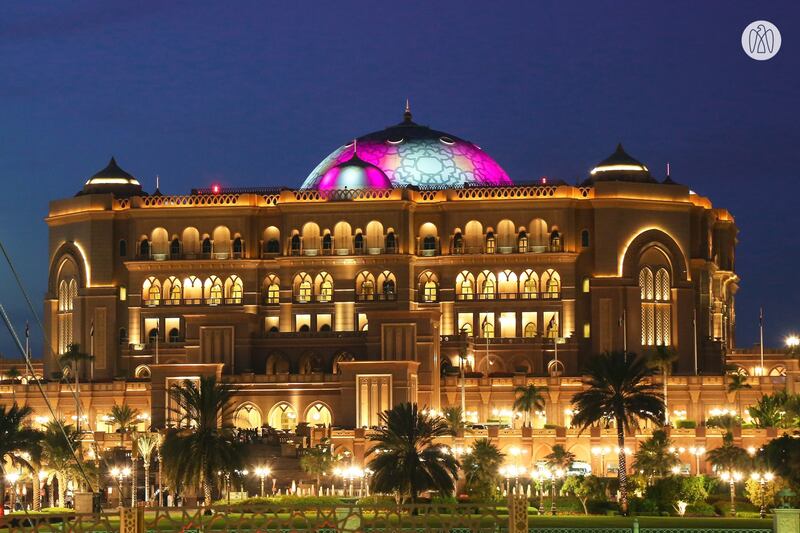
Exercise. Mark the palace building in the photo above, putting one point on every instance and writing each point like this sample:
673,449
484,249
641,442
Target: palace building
405,258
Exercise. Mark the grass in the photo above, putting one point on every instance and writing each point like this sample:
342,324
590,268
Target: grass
711,522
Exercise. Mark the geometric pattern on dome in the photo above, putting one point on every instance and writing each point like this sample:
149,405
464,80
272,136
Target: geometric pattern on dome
415,155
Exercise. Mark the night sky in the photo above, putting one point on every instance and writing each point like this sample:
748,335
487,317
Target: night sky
201,92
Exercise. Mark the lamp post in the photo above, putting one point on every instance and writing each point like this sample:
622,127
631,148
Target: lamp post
12,478
732,477
697,451
601,451
557,474
762,478
263,472
119,474
792,344
539,475
42,481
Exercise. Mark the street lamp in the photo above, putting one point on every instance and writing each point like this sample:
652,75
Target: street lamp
263,472
697,451
792,344
12,478
42,484
732,477
762,478
601,451
557,474
119,474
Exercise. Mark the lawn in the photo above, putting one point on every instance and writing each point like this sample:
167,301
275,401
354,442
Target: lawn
592,521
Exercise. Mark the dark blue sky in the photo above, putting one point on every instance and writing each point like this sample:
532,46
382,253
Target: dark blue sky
257,94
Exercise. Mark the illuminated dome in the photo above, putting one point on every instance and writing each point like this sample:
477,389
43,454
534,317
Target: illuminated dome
112,179
620,166
412,155
355,173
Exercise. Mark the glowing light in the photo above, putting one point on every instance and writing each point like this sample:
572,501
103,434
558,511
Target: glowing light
86,266
111,181
619,168
792,341
215,189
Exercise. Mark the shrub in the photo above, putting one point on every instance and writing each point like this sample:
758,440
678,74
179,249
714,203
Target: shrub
285,501
644,506
700,509
685,424
601,506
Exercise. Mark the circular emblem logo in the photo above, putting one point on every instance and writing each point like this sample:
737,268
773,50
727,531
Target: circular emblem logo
761,40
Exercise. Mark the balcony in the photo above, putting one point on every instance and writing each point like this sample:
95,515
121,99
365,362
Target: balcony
194,301
489,296
376,297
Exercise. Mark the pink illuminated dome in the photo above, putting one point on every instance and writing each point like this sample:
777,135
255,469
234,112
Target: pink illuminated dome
407,154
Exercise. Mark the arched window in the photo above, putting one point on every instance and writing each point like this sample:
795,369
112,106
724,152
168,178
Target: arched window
238,247
294,245
340,357
586,285
305,328
529,285
212,290
487,285
327,244
555,241
302,288
522,242
465,286
272,293
282,417
123,248
234,290
247,417
67,293
174,335
273,246
458,243
222,242
391,242
491,243
551,285
142,372
538,235
655,291
192,291
388,284
358,243
324,287
585,238
429,287
429,245
487,328
144,248
151,291
206,247
277,363
318,415
466,329
190,242
175,249
530,330
375,237
507,285
365,286
172,291
152,336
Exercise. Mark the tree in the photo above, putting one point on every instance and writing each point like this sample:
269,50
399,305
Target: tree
726,422
770,410
584,488
146,444
125,418
782,456
18,444
481,468
728,460
317,461
736,384
752,489
203,443
72,358
58,443
528,399
559,457
454,418
654,458
405,459
662,358
618,387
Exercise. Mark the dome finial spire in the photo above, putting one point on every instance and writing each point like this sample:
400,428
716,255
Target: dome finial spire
407,113
355,146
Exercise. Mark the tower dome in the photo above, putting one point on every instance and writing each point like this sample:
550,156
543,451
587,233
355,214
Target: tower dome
355,173
620,166
409,154
112,179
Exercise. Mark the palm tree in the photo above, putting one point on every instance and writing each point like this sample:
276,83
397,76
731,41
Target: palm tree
145,445
18,444
559,458
529,398
618,388
203,443
317,461
729,461
481,468
663,358
73,358
654,458
405,459
125,418
58,455
454,418
736,383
